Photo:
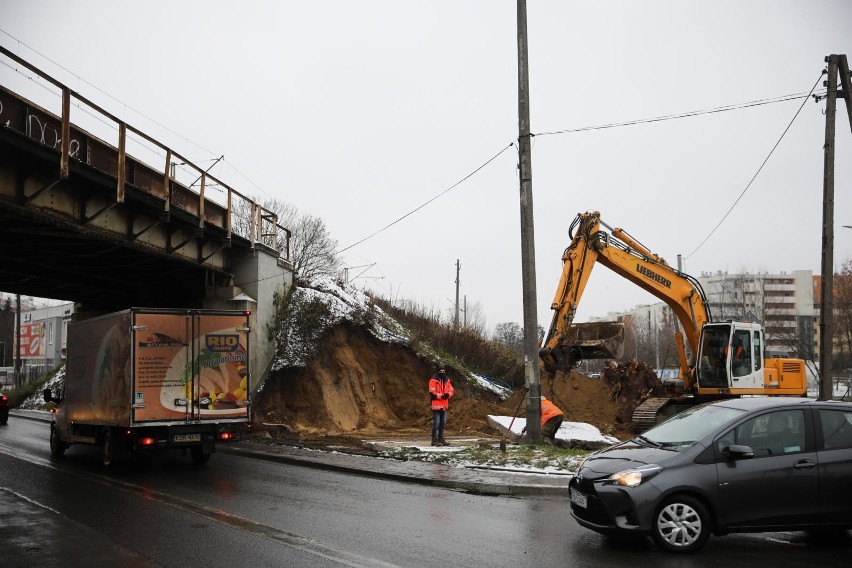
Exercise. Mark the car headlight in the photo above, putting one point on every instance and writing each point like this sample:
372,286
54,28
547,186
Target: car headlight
633,477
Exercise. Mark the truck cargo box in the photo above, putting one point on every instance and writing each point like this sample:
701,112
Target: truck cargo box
180,376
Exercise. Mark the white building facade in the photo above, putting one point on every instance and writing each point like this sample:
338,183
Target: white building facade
782,303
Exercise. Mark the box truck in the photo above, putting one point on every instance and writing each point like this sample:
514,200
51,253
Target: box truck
148,379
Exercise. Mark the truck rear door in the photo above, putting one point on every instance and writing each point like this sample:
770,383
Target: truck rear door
190,366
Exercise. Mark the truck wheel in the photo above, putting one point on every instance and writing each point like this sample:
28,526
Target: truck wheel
57,446
681,524
198,455
107,450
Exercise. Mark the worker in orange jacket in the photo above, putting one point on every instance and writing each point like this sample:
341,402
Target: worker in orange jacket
551,419
440,390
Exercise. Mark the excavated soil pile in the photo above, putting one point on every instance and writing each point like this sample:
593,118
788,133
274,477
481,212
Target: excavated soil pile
630,384
358,387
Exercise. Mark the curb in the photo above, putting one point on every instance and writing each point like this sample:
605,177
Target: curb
476,488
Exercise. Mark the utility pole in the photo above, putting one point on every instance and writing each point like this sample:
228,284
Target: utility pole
456,318
531,343
826,388
18,378
837,65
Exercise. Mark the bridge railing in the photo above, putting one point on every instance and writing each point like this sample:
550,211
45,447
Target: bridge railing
239,214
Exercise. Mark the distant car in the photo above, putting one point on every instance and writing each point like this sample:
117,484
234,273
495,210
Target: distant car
595,376
4,408
739,465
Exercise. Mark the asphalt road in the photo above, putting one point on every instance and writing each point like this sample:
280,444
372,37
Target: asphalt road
241,512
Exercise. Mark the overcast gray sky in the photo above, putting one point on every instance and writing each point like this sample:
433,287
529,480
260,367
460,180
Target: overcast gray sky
361,112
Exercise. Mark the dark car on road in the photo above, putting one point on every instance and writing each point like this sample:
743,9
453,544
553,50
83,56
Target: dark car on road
4,408
738,465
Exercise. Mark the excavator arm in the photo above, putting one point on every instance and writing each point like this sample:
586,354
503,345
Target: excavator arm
593,242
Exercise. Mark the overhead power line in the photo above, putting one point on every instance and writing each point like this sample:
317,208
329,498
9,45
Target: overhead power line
688,114
421,206
725,216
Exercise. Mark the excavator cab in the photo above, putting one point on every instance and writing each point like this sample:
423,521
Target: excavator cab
730,357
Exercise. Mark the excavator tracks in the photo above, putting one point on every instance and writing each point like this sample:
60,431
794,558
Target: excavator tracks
656,410
645,415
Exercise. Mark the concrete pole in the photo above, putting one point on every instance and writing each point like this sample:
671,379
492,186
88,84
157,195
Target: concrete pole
531,342
456,318
826,314
18,378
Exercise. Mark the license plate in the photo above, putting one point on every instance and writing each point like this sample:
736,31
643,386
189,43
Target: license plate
187,438
579,499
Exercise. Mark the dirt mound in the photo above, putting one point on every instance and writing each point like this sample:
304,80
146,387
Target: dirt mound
360,387
630,384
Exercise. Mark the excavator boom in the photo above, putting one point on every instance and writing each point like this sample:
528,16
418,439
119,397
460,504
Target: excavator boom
591,244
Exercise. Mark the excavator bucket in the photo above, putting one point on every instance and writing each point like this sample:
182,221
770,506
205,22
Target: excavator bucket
597,340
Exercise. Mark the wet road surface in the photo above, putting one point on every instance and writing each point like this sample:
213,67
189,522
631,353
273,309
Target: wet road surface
241,512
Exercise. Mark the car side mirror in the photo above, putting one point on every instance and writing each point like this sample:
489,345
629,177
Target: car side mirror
740,452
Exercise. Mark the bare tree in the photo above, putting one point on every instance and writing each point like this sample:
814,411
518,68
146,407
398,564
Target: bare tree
511,334
474,317
312,250
843,316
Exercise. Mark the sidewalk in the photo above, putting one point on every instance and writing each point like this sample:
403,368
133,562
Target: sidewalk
476,480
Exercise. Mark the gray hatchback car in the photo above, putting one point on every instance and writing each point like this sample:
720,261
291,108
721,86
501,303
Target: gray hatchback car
739,465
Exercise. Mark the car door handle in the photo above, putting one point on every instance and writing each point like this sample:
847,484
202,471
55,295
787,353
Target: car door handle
804,464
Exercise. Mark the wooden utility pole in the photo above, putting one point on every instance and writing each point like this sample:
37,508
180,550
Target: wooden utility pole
531,343
826,318
837,65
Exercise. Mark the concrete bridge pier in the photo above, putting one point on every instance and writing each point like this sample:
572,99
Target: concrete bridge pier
258,276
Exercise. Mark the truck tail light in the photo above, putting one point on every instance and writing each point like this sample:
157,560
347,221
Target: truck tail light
147,441
227,435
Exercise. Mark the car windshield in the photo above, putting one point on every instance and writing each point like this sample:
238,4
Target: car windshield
690,426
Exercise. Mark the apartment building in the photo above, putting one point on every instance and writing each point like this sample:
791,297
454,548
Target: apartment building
783,303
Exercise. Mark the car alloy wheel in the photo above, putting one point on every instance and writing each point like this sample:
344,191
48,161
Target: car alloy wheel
682,524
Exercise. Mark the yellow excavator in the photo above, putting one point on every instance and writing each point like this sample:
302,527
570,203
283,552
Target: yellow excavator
726,359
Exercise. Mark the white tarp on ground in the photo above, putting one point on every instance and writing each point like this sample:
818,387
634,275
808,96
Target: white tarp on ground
569,435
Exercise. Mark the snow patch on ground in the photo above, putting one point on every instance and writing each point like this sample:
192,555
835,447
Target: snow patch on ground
569,435
476,453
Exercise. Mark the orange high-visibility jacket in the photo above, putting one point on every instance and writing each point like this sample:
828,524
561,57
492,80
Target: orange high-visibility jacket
439,387
548,411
